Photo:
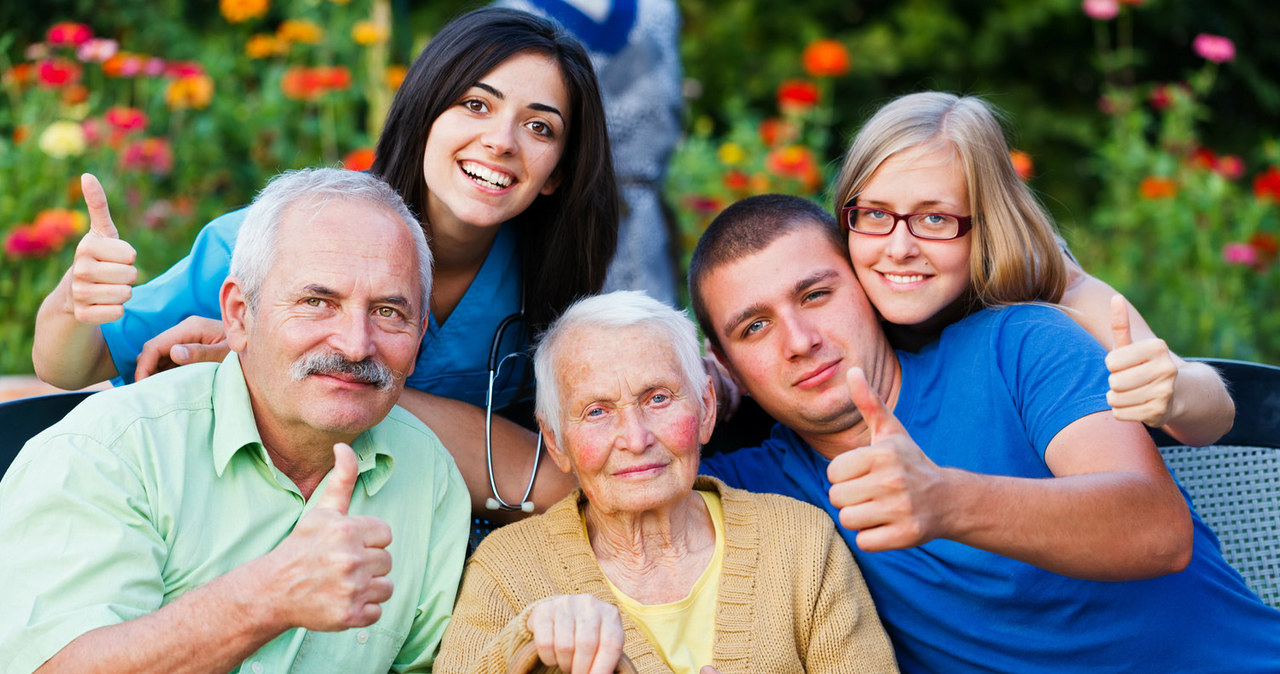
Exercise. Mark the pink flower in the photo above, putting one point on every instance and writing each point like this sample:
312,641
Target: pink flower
68,34
1102,10
97,50
1214,48
1239,254
1229,166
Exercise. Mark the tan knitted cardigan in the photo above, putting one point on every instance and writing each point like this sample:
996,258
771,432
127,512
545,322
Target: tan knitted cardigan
791,598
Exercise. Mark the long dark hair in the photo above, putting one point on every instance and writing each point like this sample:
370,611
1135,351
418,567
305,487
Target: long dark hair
566,238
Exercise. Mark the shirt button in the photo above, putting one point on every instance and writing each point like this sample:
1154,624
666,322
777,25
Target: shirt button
256,667
362,636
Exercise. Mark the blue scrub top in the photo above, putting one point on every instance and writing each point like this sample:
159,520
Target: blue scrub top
452,359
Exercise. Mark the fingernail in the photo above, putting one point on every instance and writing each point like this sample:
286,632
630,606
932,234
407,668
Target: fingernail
181,353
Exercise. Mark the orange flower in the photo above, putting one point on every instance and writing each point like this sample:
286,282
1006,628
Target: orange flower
300,30
20,133
192,91
776,131
796,96
263,45
795,162
19,76
1021,164
239,11
60,223
826,58
75,94
125,118
359,159
395,76
1158,187
68,34
366,33
1267,185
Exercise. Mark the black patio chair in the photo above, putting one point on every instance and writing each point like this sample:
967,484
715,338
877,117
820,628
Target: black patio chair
1235,483
22,419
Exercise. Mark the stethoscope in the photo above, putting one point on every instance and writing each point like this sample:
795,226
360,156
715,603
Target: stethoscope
496,502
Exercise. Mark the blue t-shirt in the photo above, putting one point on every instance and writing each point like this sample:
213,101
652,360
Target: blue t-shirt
452,359
988,396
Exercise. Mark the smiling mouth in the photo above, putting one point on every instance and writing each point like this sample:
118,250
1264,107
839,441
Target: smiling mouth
486,176
904,278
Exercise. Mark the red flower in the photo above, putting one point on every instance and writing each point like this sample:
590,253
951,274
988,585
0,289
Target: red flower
796,96
703,205
55,73
1267,246
68,34
1267,185
826,58
24,242
359,159
126,119
1158,187
1203,158
180,69
334,78
152,155
736,181
300,83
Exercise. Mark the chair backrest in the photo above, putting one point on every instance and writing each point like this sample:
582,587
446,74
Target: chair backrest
23,418
1235,483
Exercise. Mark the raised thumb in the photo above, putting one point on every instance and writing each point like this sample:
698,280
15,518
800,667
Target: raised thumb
1120,335
95,198
342,479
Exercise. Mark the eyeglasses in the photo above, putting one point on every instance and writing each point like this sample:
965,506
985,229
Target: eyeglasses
495,368
930,226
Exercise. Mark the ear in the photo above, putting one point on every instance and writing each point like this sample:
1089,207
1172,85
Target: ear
726,366
558,456
553,182
235,314
708,423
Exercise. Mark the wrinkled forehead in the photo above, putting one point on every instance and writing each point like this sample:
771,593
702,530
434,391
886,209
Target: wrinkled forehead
595,361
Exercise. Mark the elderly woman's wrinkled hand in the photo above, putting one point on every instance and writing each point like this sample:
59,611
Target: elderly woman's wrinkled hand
577,633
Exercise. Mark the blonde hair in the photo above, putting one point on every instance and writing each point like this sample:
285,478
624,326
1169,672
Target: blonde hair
1014,251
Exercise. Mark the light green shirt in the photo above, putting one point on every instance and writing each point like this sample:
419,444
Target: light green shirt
147,491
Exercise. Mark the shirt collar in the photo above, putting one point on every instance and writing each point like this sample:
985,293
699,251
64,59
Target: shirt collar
234,429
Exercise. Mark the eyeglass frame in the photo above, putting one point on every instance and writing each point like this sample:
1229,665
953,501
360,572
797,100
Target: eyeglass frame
964,222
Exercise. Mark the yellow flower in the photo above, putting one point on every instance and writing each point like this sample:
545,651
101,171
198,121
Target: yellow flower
732,153
366,33
192,91
263,46
239,11
63,139
300,30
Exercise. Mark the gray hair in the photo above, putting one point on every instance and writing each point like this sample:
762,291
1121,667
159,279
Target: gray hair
256,243
619,309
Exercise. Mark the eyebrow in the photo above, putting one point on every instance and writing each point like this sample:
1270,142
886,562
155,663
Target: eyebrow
540,107
323,291
800,286
929,203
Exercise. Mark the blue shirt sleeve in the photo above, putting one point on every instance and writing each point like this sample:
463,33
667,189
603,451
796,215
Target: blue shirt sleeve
188,288
1055,370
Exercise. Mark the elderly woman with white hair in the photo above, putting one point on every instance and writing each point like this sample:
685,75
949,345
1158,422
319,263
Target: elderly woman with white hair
679,572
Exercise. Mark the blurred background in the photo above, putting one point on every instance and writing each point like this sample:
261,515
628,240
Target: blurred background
1150,128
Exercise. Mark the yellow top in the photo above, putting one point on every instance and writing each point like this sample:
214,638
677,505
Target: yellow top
683,631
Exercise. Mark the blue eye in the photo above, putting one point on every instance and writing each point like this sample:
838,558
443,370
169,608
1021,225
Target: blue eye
660,398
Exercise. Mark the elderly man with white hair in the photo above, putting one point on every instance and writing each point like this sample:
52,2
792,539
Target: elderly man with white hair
678,572
246,514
